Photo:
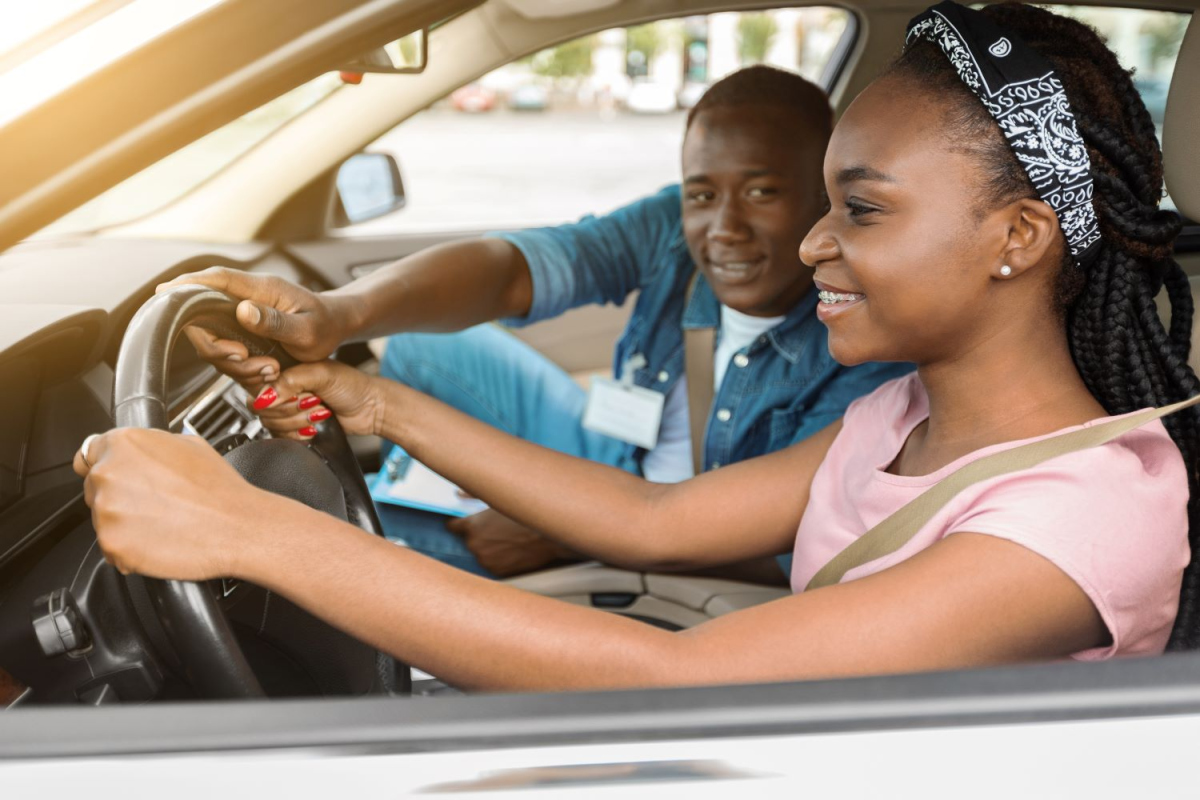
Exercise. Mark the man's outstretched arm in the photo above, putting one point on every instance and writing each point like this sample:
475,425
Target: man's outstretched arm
444,288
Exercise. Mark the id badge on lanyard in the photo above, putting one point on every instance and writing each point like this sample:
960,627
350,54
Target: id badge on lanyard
624,411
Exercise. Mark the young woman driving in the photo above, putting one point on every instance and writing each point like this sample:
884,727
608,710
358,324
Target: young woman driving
1002,234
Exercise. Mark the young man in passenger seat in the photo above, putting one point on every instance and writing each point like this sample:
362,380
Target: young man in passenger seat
719,253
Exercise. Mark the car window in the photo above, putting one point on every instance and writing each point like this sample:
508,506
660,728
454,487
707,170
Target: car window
589,125
1147,41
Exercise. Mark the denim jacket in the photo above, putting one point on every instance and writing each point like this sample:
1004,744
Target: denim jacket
786,388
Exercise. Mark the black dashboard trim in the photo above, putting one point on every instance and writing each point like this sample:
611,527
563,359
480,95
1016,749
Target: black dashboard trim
64,338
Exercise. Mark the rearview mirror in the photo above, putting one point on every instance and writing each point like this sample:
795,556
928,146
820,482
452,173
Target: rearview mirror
368,186
409,55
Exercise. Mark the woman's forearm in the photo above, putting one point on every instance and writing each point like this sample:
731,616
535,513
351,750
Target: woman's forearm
599,510
740,512
482,635
471,632
169,506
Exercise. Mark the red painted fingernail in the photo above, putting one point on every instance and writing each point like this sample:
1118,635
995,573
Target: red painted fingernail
265,398
309,402
319,414
307,431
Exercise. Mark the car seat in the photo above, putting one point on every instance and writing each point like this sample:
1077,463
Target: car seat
1181,154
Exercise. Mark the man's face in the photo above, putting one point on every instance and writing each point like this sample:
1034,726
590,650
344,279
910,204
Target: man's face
751,191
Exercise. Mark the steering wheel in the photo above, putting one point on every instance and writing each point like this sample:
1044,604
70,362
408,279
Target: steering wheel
323,474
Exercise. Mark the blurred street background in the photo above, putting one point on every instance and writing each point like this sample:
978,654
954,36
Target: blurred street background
581,128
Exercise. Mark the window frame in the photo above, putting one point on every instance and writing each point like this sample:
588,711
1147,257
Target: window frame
1158,686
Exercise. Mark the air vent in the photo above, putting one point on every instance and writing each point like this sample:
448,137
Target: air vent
217,421
222,414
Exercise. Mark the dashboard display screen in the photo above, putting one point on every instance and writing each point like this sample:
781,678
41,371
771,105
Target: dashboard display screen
18,395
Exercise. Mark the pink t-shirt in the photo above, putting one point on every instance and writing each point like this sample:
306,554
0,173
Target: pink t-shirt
1113,517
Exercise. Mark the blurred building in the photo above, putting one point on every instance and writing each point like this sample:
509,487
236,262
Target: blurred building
682,57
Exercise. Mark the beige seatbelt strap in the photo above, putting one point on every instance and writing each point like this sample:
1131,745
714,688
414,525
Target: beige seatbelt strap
894,532
699,349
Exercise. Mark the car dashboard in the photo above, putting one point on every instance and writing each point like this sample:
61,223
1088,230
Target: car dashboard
72,631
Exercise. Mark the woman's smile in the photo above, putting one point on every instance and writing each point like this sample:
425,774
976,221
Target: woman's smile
835,301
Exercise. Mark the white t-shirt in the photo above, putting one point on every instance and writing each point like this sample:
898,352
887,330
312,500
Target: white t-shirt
671,459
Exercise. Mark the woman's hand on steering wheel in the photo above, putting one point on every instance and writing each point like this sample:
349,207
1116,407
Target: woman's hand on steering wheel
167,505
309,393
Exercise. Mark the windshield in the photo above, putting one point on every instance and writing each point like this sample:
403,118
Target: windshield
185,169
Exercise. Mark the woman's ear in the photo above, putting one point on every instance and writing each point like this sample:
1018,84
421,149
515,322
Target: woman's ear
1032,233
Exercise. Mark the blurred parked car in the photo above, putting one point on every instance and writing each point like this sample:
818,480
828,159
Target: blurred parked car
473,99
529,97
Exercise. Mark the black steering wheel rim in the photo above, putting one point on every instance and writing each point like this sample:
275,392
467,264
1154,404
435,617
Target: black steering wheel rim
191,617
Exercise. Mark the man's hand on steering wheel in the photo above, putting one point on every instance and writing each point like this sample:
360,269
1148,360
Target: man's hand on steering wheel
309,325
309,393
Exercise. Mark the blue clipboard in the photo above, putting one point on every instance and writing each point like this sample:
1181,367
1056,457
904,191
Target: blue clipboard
404,481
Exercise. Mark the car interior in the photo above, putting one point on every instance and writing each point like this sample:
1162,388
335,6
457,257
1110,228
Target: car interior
81,351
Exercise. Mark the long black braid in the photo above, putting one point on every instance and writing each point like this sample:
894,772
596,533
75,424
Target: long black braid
1123,352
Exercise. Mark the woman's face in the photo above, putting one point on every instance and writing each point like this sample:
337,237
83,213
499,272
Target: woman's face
903,237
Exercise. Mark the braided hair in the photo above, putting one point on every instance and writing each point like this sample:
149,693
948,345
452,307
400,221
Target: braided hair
1126,356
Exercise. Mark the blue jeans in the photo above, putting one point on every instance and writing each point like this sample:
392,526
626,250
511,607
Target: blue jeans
493,376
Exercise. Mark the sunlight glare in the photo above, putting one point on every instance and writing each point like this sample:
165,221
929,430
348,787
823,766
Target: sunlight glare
21,22
48,73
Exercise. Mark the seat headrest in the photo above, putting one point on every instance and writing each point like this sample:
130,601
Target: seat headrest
1181,127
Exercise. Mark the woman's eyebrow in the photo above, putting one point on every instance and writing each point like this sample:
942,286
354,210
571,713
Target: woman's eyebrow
852,174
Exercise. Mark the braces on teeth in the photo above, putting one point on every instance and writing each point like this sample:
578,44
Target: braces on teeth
835,297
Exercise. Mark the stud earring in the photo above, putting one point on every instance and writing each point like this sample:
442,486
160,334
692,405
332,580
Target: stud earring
1006,270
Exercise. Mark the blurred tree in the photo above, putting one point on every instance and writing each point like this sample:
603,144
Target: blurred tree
569,60
754,33
646,39
1165,34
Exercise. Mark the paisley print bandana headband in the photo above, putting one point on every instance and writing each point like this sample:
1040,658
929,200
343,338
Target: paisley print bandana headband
1021,92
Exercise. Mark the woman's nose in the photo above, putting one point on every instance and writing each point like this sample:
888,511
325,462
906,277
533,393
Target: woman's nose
818,245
